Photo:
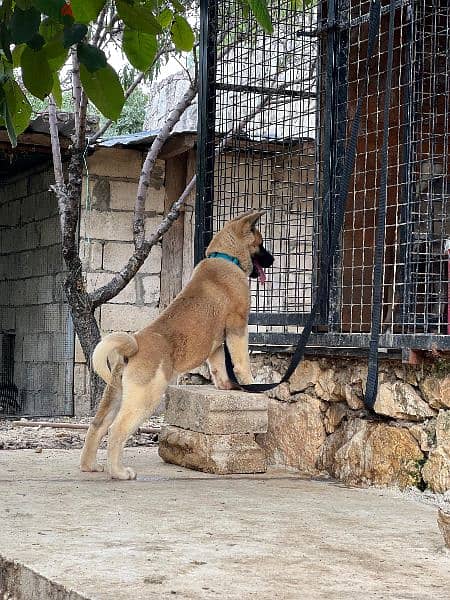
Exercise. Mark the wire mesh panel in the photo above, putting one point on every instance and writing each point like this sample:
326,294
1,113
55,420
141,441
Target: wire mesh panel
260,147
415,283
275,114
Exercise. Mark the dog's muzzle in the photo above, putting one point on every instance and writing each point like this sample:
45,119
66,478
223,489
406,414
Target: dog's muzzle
261,260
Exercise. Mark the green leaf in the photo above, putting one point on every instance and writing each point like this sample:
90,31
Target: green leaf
178,6
36,42
49,28
182,34
104,90
24,24
51,8
165,18
261,14
17,54
5,118
140,48
56,90
138,17
74,34
56,53
91,57
19,107
86,11
36,74
24,4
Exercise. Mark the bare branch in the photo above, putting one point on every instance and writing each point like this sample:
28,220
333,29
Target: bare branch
143,246
152,155
124,276
56,148
76,89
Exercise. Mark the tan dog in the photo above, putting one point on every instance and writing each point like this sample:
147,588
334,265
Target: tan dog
214,306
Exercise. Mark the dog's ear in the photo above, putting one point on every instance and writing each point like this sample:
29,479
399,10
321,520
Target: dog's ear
248,219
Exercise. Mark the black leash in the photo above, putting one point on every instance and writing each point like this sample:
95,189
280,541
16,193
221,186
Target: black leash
378,269
349,163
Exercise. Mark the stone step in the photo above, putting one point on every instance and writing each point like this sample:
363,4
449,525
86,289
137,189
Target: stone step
205,409
220,454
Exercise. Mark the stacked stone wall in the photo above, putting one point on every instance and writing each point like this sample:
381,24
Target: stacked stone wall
318,423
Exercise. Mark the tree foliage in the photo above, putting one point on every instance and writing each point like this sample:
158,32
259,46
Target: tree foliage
36,37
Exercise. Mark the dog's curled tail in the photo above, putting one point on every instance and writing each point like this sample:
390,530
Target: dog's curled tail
124,344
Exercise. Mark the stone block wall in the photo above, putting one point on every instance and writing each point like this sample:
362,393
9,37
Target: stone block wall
106,234
318,423
31,296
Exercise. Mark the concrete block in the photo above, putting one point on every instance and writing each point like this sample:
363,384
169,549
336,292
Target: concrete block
126,296
123,194
7,318
54,259
37,347
151,286
206,409
15,190
79,379
100,193
44,289
79,354
115,162
50,232
46,206
103,225
116,254
41,181
115,317
220,454
91,254
10,214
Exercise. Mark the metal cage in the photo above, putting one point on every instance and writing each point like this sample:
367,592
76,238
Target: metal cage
275,114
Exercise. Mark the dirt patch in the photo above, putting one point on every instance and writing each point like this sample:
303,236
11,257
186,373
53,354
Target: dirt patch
19,438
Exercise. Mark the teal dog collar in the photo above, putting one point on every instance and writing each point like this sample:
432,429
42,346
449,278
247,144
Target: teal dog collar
227,257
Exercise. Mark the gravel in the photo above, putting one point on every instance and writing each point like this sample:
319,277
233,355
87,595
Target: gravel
19,438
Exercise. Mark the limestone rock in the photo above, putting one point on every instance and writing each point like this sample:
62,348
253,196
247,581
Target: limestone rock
436,391
220,454
267,374
424,433
206,409
295,434
305,375
444,525
354,396
362,453
331,386
443,430
436,472
401,401
334,415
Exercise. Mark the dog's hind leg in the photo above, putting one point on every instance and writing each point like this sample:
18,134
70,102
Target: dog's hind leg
139,402
106,413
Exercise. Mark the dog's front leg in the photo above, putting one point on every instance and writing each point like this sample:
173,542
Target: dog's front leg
237,342
216,363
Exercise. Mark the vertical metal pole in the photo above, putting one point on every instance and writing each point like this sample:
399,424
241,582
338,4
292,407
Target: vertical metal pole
206,128
327,150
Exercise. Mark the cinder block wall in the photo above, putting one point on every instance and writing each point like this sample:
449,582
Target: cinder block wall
106,234
31,296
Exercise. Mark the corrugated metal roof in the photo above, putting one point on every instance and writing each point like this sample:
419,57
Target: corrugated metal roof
141,138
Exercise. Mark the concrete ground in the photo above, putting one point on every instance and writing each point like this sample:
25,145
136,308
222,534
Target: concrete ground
68,535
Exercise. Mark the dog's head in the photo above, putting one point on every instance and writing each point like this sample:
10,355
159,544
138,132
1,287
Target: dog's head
240,238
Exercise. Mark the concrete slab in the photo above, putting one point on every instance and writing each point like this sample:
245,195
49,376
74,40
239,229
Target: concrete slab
178,533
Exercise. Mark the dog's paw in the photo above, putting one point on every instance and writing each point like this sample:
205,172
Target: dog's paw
94,468
124,473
